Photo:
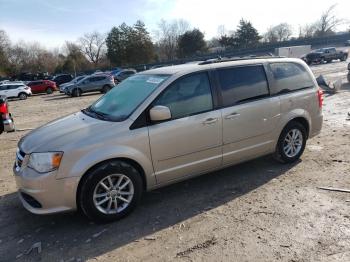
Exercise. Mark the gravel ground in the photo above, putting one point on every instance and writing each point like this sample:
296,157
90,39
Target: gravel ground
256,211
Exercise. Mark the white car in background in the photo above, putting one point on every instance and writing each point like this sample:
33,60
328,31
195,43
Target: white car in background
19,90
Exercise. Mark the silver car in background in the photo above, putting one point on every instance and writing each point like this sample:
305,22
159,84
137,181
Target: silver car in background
93,83
74,81
166,125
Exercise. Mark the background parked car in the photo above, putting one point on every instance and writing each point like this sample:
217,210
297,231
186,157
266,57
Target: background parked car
61,79
100,82
6,121
325,55
123,74
19,90
74,81
42,86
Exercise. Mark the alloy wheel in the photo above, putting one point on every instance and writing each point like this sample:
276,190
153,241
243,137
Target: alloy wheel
293,143
113,194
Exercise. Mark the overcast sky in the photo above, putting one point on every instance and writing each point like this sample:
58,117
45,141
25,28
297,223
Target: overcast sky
51,22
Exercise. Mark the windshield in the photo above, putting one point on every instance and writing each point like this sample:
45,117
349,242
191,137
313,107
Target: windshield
77,79
119,103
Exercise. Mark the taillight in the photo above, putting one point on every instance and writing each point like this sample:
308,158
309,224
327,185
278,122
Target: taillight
320,97
3,108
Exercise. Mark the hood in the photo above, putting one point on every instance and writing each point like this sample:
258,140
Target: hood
66,86
63,133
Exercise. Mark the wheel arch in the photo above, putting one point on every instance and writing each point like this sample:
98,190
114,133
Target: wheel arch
303,121
130,161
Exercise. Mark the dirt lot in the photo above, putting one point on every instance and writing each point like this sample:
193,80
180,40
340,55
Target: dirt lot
257,211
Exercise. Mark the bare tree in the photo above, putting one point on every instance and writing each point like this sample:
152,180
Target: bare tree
168,34
4,40
279,33
4,47
307,31
328,22
93,46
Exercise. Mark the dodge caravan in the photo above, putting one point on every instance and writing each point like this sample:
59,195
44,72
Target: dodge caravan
166,125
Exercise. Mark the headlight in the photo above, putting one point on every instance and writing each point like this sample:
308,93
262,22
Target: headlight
45,162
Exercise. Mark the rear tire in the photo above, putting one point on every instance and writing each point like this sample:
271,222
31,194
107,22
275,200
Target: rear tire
49,91
344,58
291,143
22,96
101,192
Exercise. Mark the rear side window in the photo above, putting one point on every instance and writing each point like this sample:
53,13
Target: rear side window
187,96
241,84
13,87
291,77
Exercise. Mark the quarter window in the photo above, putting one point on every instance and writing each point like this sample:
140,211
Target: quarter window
241,84
291,77
187,96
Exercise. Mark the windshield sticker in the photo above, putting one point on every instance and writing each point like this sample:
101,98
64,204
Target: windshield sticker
154,80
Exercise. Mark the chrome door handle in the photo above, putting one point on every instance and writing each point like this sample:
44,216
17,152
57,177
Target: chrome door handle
210,121
232,116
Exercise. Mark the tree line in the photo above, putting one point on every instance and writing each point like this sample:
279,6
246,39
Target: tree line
128,45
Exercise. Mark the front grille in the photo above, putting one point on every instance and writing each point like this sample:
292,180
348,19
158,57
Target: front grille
31,200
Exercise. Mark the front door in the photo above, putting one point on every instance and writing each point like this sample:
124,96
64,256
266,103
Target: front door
189,143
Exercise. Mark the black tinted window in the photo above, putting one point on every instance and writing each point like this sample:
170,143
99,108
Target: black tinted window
291,77
187,96
13,86
241,84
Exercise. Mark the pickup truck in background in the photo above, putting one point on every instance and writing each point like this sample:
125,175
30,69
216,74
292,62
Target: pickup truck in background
6,121
323,55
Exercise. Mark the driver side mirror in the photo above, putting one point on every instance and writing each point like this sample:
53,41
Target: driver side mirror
159,113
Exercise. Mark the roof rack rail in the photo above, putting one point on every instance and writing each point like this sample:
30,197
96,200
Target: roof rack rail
220,59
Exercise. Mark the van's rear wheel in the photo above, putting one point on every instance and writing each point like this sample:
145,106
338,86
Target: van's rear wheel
291,143
110,191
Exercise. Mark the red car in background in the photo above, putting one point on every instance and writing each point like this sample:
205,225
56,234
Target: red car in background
42,86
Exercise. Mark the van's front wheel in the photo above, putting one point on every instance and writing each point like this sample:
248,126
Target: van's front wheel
110,191
291,143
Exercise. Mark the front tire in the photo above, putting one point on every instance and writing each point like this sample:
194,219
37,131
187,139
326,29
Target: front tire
76,92
105,89
22,96
291,143
110,191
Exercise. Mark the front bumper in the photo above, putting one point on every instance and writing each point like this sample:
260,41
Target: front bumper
43,193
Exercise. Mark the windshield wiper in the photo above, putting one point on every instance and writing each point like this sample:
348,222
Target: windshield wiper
90,112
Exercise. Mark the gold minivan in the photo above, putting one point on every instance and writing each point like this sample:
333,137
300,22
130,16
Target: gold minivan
166,125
